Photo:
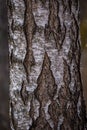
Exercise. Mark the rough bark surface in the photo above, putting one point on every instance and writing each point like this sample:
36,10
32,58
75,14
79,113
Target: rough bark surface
44,50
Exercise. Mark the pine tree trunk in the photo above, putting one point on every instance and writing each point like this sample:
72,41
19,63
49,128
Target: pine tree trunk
44,50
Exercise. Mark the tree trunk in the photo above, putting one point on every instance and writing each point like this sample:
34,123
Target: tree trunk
44,50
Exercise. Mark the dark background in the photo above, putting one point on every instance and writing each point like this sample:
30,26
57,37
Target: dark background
4,71
4,67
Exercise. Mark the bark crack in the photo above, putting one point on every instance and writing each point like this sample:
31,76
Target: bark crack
29,29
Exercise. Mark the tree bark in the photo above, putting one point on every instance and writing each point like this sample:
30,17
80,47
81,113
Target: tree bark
44,51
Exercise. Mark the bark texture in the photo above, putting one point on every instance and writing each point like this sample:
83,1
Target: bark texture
44,52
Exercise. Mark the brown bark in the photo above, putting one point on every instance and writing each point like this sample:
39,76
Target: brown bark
44,50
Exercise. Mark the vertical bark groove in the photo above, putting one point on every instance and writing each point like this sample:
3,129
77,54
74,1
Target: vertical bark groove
29,29
44,51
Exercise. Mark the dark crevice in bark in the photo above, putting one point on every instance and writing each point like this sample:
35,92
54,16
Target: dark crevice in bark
29,29
55,112
68,102
53,27
45,81
24,93
40,124
43,1
44,92
32,109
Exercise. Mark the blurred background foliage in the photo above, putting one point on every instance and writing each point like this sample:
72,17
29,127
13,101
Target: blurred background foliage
83,29
83,23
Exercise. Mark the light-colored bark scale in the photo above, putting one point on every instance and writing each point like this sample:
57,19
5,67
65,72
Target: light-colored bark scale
44,51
